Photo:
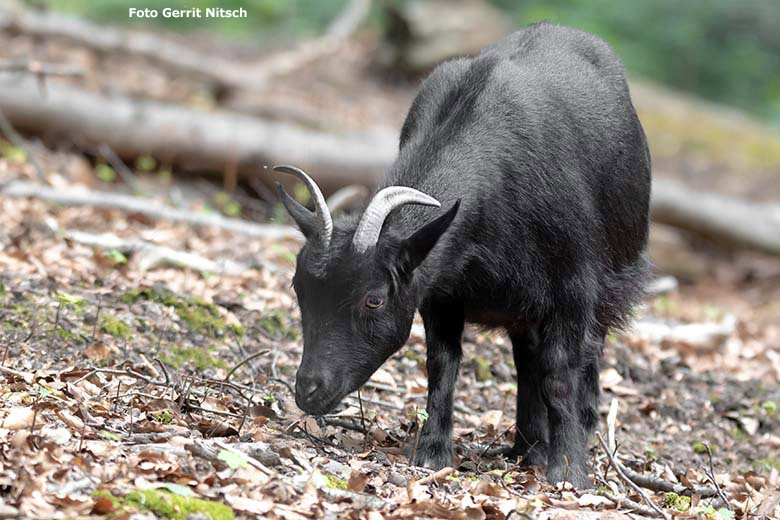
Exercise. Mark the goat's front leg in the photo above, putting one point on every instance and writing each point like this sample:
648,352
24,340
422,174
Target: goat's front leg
443,332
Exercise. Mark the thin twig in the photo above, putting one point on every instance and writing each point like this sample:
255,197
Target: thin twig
711,476
495,439
97,320
39,68
382,404
56,324
362,416
164,370
244,362
619,469
148,207
342,423
119,166
656,484
636,506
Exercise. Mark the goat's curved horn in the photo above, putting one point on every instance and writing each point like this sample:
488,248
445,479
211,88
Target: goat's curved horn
384,202
322,220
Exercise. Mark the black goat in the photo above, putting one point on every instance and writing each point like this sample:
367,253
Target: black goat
535,150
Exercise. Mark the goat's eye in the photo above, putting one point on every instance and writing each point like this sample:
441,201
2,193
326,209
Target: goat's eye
374,302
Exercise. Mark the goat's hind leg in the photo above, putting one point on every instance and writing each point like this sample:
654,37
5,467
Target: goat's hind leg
562,368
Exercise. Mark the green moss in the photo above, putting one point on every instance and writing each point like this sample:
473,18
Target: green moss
3,291
650,453
115,327
65,334
700,448
175,507
115,256
12,153
198,315
200,358
411,355
769,407
71,301
482,369
163,417
678,502
335,482
767,464
275,323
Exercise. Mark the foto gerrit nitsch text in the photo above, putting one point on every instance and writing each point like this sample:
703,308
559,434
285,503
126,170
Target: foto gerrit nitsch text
194,12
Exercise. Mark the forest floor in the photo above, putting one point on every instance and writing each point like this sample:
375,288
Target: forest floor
166,392
116,387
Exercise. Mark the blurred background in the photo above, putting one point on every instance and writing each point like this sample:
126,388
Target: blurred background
196,109
135,165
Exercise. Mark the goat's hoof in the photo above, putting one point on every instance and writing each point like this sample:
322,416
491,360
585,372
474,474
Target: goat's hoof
434,454
536,456
575,475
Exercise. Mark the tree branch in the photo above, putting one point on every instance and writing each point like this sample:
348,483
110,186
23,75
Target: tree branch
106,200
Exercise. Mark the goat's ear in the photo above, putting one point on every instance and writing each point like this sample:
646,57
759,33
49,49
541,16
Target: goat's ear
300,214
415,248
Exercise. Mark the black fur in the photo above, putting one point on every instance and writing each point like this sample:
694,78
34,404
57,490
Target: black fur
537,156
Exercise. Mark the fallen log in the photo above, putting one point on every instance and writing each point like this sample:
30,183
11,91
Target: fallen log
198,140
726,220
144,206
192,139
179,58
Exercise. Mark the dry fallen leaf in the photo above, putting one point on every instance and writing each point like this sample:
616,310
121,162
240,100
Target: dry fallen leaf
18,417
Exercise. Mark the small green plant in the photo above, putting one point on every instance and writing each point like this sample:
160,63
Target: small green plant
678,502
483,372
700,448
71,300
234,459
301,193
110,436
227,204
12,153
163,417
145,163
650,453
115,327
769,408
420,415
335,482
115,256
105,173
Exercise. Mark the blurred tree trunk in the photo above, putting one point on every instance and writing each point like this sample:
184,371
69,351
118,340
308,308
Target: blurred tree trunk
225,74
194,140
420,34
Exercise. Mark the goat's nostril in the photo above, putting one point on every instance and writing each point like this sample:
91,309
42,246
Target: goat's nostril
307,386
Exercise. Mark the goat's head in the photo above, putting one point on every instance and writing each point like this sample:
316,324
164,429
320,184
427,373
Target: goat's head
355,289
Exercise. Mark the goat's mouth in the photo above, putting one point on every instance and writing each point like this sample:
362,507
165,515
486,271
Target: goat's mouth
323,405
